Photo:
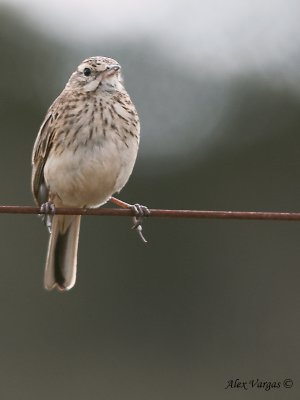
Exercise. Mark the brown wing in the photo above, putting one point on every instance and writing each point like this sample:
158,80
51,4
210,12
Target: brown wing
40,153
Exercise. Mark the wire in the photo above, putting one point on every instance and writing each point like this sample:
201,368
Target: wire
117,212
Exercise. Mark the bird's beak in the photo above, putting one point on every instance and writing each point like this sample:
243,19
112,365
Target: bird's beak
112,70
114,67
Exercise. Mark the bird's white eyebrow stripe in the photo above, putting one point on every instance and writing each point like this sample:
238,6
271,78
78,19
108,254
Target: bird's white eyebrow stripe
81,67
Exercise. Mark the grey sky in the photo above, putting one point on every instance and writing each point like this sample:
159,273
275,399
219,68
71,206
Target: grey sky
229,34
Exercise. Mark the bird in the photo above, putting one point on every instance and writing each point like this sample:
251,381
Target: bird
83,154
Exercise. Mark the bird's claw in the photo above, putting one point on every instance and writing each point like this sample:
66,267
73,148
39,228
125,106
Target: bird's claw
139,213
47,211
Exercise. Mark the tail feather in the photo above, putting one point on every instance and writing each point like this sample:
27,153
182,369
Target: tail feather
61,262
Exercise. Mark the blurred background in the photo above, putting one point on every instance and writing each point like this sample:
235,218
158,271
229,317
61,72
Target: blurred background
217,87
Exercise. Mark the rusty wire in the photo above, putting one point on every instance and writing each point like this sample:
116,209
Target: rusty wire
119,212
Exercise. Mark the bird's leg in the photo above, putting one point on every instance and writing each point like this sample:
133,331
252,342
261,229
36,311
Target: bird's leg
139,213
48,210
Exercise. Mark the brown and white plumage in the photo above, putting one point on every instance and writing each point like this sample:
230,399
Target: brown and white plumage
84,153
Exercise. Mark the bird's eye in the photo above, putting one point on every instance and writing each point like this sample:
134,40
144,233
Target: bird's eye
87,71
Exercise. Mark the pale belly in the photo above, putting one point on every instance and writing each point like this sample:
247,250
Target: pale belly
90,176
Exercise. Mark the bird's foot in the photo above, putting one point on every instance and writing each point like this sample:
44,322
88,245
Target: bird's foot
139,213
47,211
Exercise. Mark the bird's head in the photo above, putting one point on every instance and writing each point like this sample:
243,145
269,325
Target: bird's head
97,73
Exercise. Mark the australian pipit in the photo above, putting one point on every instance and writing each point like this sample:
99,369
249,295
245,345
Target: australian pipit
84,153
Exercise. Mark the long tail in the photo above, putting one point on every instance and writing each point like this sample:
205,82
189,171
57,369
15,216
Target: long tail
61,262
